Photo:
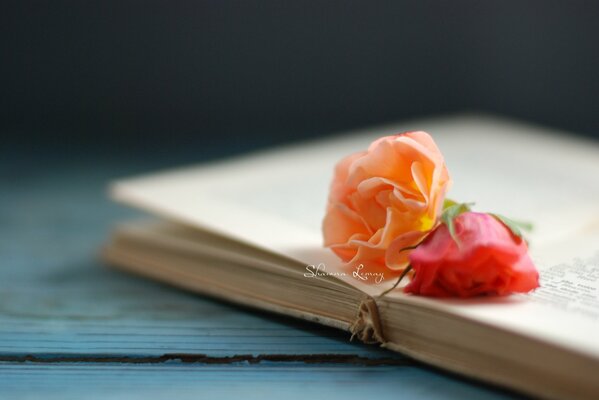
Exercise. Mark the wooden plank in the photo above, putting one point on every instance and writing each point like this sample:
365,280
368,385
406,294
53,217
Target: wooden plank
56,298
240,381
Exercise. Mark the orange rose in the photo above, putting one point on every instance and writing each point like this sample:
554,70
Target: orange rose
385,199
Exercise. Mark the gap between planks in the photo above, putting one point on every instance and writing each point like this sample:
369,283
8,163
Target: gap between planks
205,359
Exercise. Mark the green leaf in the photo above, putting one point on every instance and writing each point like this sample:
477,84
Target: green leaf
450,213
515,226
448,203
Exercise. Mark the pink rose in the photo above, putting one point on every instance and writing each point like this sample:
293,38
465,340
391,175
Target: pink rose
385,199
490,260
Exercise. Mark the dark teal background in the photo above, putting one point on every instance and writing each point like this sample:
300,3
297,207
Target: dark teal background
226,76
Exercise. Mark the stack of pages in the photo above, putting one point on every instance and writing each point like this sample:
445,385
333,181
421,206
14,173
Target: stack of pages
248,230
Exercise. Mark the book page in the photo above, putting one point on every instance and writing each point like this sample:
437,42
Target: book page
275,200
564,310
514,169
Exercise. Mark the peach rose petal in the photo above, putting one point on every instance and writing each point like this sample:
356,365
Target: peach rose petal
385,199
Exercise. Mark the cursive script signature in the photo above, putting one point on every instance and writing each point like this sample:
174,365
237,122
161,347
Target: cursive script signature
378,276
314,271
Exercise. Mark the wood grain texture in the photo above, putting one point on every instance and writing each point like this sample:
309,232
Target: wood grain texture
268,380
72,328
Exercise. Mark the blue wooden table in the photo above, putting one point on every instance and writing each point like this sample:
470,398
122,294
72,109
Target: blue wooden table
72,328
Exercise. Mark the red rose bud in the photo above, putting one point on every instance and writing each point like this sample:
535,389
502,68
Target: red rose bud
486,258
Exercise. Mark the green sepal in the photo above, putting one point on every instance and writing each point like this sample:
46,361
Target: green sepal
450,213
513,225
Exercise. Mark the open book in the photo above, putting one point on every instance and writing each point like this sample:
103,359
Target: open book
247,230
